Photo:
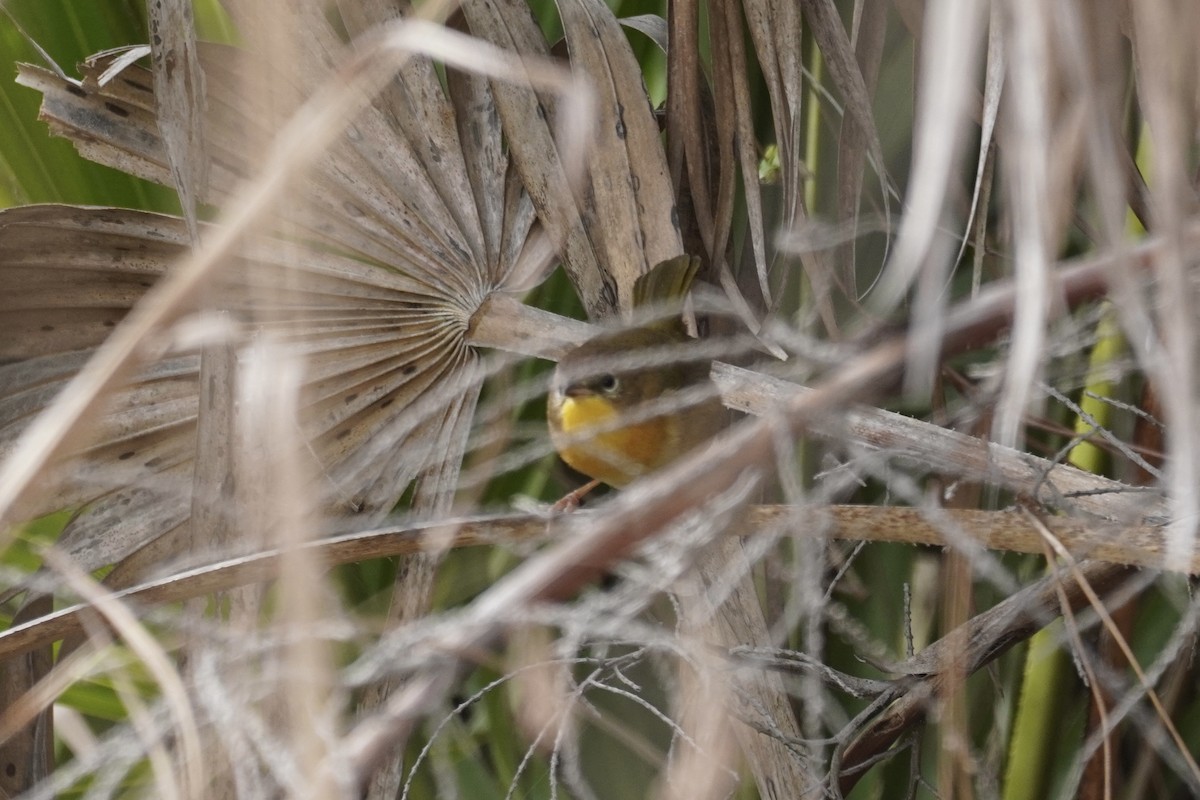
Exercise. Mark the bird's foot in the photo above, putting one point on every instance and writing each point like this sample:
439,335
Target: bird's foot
571,500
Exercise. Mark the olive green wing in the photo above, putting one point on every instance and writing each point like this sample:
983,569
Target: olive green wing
666,281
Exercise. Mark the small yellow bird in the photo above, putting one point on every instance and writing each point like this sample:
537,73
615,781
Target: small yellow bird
617,408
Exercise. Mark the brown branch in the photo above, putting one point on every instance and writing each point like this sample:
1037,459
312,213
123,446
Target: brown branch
952,454
996,530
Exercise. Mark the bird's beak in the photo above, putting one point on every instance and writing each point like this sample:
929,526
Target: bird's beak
577,390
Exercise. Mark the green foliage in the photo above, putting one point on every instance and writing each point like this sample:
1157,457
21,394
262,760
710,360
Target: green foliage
37,168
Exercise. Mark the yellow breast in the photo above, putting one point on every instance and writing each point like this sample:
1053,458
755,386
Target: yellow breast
614,455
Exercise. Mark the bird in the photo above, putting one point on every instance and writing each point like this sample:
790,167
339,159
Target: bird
628,402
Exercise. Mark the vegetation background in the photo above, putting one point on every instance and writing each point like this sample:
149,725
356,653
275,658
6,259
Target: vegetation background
979,214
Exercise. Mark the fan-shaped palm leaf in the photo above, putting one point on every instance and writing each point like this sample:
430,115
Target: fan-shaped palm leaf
412,219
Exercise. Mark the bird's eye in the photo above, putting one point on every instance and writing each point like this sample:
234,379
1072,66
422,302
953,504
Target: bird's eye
608,382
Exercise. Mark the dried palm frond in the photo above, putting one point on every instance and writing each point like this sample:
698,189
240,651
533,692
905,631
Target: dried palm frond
406,226
368,275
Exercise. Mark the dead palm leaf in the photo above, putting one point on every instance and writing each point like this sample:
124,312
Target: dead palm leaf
411,220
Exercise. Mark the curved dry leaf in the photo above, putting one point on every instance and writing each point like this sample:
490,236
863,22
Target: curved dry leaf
118,60
831,37
633,200
775,31
869,36
737,151
1027,167
993,84
652,25
946,87
688,142
843,65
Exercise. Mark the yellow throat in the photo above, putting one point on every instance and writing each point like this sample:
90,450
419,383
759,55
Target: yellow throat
615,455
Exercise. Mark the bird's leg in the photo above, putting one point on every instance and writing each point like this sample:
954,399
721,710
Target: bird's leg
571,500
